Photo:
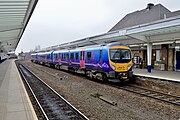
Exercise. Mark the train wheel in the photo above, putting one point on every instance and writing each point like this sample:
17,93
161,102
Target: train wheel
104,78
85,73
91,75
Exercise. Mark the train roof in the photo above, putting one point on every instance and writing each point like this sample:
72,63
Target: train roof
115,43
57,51
85,48
33,53
43,53
99,46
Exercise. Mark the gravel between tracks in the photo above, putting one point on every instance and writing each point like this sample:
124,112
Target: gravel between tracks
79,92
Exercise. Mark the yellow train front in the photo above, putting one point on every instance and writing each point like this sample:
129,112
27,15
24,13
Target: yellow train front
120,61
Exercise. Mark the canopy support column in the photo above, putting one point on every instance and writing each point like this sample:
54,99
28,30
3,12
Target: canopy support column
149,54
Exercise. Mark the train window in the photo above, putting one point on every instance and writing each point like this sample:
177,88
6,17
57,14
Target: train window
63,56
77,56
48,56
55,56
82,55
59,56
88,55
120,55
72,56
100,56
67,56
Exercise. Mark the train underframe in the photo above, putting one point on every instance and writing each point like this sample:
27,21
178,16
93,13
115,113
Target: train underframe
100,75
95,74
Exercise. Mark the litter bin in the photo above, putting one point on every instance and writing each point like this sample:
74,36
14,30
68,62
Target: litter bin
162,67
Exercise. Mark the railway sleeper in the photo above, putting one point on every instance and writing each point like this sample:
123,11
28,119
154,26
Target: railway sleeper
142,91
154,94
72,117
178,101
145,93
169,99
68,112
160,97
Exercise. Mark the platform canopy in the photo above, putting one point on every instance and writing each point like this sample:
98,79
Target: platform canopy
165,30
14,17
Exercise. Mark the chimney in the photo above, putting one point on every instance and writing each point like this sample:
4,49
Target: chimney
149,6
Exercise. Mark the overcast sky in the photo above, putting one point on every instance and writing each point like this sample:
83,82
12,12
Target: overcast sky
59,21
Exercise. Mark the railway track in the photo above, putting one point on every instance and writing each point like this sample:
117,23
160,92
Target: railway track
173,99
52,106
146,92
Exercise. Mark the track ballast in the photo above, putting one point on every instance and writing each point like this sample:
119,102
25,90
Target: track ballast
169,98
173,99
52,105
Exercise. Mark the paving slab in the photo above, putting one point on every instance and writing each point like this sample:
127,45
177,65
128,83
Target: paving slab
14,101
164,75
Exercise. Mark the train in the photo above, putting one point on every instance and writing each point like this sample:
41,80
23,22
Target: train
3,57
112,61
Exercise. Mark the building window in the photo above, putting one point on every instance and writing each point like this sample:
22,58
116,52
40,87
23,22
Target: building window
157,55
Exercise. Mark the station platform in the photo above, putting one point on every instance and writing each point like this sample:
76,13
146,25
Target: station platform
157,74
14,101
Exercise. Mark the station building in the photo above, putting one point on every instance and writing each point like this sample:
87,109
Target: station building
165,55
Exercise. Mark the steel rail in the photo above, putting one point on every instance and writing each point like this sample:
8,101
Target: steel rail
34,96
173,99
71,106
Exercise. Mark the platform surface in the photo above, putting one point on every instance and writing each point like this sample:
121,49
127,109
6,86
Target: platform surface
14,101
164,75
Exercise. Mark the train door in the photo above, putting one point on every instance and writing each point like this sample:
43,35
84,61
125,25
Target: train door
59,58
82,61
36,58
178,60
46,58
100,57
51,57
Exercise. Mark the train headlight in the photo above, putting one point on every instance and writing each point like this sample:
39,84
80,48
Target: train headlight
113,67
129,67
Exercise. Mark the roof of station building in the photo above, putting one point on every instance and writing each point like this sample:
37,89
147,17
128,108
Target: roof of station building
150,13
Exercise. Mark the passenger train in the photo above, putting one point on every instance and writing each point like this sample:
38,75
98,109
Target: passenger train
3,57
112,61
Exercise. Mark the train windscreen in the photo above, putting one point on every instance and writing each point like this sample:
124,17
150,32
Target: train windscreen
120,55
